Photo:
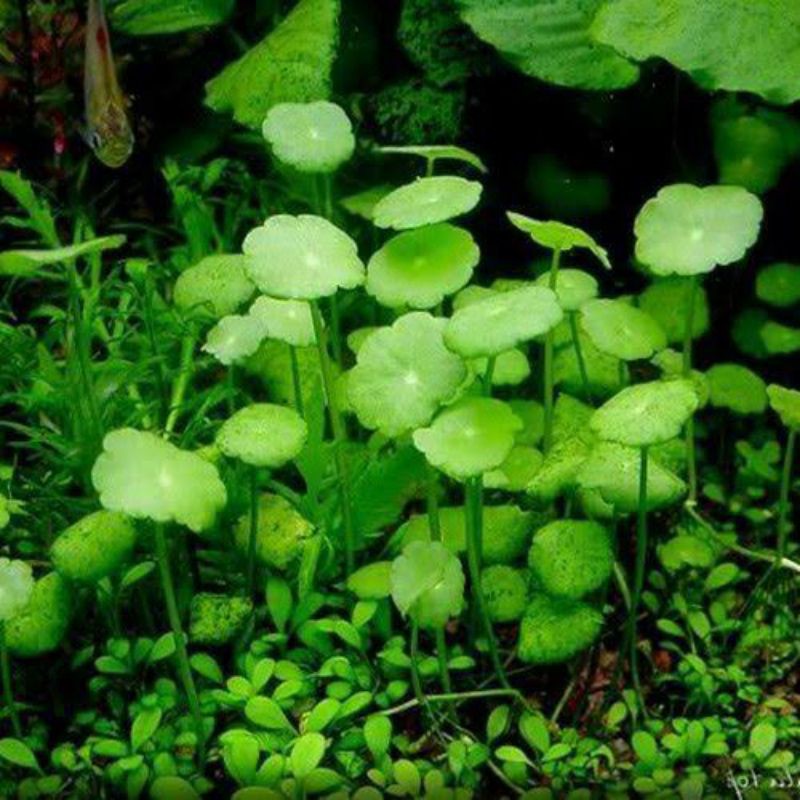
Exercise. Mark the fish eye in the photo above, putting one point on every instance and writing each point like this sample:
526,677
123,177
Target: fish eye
95,140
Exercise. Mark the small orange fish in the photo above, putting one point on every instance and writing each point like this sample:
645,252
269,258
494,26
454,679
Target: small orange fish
109,131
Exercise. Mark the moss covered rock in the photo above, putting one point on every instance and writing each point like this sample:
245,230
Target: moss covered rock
571,558
41,625
506,592
94,547
507,531
282,532
217,618
555,629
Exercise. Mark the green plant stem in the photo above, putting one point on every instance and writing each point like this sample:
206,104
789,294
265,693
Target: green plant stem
783,499
339,437
638,581
251,544
754,555
576,343
549,348
181,384
474,525
451,697
181,654
436,536
688,336
8,693
296,383
487,376
416,683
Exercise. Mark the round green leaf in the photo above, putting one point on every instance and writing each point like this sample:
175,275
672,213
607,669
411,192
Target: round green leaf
235,337
403,374
551,41
281,534
741,46
574,287
16,587
613,470
667,302
571,558
621,330
214,287
428,584
427,201
646,414
779,284
144,476
371,582
263,435
40,627
689,230
419,268
311,137
558,236
506,592
786,404
287,320
517,471
94,547
471,437
302,258
511,367
500,322
737,388
555,629
507,531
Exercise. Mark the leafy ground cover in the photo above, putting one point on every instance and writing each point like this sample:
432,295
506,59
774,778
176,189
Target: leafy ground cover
308,492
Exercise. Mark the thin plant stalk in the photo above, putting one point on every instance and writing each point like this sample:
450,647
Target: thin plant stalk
474,524
8,693
638,580
436,536
181,654
688,335
181,384
297,386
549,348
416,683
339,437
253,534
576,343
488,375
783,499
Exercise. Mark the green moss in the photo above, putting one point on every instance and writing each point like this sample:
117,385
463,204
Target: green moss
415,112
555,629
41,626
571,558
94,547
438,42
506,592
282,532
507,531
217,618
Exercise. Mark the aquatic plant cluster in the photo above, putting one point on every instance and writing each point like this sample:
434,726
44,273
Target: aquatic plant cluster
304,494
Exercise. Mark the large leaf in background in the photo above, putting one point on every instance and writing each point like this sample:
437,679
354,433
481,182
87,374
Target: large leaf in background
382,491
20,263
736,45
549,39
152,17
292,64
